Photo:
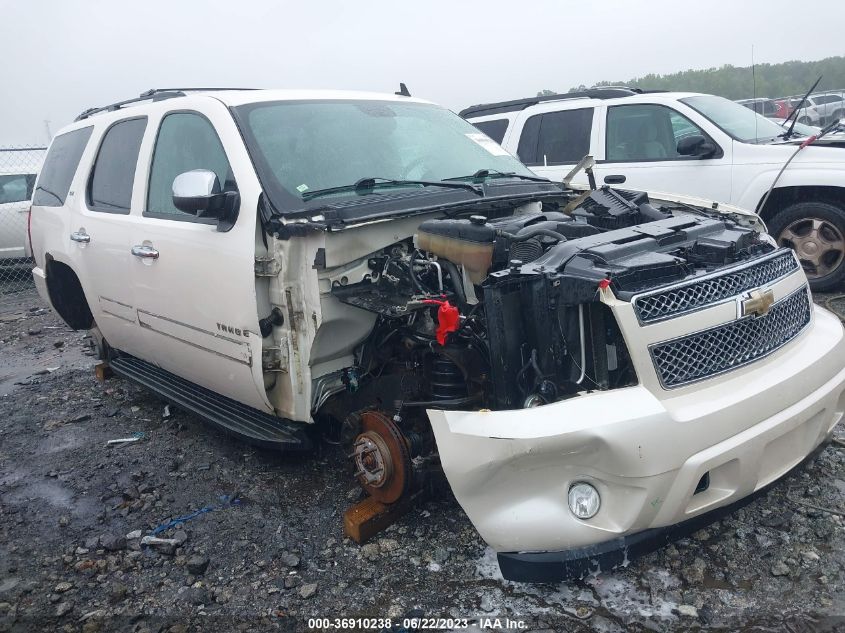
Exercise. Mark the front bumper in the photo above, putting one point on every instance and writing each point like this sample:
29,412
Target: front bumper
645,451
579,562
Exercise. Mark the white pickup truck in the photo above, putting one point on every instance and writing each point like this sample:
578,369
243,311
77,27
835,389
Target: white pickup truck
700,145
594,371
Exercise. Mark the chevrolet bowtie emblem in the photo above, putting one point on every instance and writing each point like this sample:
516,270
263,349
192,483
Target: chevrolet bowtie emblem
758,303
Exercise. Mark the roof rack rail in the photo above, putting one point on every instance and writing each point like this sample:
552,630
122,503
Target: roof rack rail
154,94
520,104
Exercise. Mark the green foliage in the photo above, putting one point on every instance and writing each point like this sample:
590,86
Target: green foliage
734,82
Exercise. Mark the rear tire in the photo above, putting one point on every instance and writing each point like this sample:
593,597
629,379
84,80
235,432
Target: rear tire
816,231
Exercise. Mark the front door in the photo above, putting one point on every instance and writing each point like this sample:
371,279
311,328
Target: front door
195,285
641,154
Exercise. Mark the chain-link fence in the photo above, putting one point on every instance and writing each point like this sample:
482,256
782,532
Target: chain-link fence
18,168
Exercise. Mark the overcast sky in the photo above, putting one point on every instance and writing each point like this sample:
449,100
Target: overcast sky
62,56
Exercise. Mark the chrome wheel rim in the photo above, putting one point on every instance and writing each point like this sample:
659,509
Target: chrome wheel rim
818,243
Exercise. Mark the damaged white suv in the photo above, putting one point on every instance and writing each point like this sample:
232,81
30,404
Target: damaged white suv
593,371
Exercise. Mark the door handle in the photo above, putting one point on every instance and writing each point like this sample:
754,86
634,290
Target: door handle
614,179
144,252
80,236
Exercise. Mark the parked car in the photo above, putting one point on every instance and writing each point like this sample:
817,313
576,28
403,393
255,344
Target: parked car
782,109
830,106
593,371
16,184
766,107
700,145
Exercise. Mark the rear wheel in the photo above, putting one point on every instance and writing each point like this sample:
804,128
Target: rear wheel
816,231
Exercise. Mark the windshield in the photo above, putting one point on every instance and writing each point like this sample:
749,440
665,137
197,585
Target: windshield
735,120
301,147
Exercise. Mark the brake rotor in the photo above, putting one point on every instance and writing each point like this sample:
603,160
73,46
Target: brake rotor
381,457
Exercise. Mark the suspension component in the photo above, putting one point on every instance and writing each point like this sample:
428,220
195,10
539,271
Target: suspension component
447,381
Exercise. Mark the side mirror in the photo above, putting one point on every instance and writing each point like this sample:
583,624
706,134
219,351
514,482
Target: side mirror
198,192
697,146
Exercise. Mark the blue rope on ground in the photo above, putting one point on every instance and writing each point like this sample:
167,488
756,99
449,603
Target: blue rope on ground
226,501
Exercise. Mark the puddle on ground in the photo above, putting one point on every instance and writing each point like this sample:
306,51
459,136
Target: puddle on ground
52,494
10,374
64,438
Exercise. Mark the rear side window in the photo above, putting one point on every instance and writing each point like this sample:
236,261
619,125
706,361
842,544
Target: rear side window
494,129
16,188
59,167
556,138
186,141
110,185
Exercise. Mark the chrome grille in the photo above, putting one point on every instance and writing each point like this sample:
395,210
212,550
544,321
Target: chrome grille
698,294
724,348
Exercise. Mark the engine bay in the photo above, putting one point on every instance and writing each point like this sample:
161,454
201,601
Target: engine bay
504,313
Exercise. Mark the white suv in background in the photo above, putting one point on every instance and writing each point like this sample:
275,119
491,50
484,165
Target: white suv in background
592,371
830,106
699,145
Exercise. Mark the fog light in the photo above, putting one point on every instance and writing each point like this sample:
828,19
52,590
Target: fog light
584,500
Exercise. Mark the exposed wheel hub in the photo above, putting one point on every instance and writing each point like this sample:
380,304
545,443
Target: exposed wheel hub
381,457
372,458
819,244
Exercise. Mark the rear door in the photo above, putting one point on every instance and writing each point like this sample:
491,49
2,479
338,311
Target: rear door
640,153
195,285
101,229
550,142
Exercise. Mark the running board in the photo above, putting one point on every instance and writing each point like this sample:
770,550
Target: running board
246,423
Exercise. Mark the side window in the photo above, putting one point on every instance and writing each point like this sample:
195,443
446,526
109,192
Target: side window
59,167
556,138
16,188
494,129
186,141
646,132
110,184
526,151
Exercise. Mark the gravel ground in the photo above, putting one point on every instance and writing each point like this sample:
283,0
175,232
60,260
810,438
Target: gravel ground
72,511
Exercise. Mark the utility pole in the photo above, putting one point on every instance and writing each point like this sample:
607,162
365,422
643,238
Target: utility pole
47,129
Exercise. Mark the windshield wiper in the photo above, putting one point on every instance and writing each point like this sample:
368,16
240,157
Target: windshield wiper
482,174
788,134
367,185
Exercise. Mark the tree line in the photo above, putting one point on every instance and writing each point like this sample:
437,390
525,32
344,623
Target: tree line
738,82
